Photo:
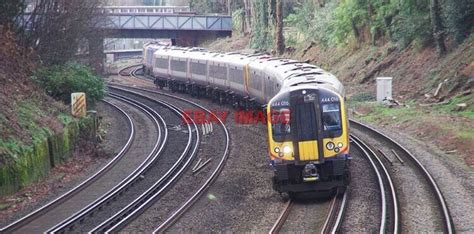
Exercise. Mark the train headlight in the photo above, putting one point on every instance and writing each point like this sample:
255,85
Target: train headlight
339,145
286,150
330,145
277,150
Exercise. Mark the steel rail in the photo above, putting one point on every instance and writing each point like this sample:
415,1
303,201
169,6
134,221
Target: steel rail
448,225
59,200
282,218
342,209
186,205
129,180
120,72
123,217
330,215
369,154
143,77
336,210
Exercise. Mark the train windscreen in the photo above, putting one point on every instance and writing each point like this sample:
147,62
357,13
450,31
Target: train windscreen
331,118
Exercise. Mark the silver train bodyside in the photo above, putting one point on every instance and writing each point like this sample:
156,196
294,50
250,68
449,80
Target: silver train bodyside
245,80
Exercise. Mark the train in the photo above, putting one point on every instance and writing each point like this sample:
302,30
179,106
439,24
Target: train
307,122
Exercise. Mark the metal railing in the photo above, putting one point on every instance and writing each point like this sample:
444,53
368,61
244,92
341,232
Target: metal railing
146,9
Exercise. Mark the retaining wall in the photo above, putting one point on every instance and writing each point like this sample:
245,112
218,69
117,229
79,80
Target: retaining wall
35,163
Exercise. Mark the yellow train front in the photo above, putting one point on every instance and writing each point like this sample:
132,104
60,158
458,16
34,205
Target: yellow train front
308,139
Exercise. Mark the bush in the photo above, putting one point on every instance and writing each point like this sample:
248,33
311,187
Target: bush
62,80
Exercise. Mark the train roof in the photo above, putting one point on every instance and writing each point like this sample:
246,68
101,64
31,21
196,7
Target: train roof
315,77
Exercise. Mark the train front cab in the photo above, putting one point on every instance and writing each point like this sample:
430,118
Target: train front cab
308,140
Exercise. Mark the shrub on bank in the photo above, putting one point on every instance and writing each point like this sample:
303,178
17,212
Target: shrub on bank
62,80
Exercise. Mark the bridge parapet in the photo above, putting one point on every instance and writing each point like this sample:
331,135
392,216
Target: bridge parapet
169,22
147,10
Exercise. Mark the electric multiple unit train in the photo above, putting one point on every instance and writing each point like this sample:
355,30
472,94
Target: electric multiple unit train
308,138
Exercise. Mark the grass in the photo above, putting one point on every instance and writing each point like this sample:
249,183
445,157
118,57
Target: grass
466,134
394,115
65,119
28,115
4,206
450,108
377,113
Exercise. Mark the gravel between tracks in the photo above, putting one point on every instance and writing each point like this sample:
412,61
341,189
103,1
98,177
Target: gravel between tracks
364,203
307,216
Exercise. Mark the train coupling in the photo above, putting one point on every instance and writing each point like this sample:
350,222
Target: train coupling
310,173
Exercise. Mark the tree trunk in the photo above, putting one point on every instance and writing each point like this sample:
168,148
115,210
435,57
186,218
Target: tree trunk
248,15
272,13
438,33
280,40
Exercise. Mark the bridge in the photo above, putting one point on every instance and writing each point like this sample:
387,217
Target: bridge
180,24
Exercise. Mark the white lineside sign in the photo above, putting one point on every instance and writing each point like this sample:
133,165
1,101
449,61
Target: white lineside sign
78,104
384,88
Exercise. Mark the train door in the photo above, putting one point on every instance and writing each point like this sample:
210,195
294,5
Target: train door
305,124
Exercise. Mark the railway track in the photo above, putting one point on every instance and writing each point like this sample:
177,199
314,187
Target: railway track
389,214
39,219
156,190
333,210
122,203
207,180
129,70
403,160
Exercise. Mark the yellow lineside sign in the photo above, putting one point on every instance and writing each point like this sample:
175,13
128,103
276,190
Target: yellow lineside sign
78,104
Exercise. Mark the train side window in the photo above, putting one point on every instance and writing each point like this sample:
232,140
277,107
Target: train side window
162,63
177,65
236,75
219,72
198,68
256,81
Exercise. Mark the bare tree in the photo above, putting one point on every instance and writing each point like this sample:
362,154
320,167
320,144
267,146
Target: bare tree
280,40
438,33
55,28
248,16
